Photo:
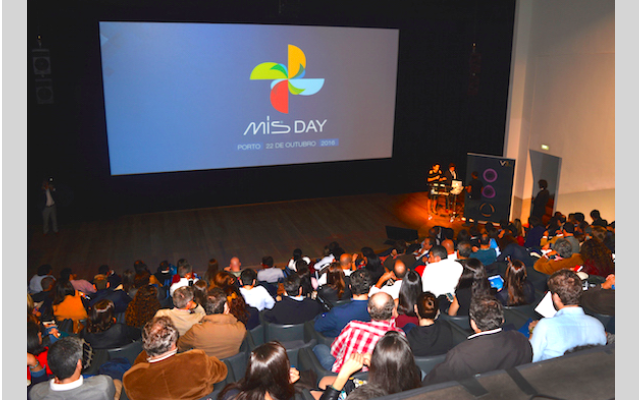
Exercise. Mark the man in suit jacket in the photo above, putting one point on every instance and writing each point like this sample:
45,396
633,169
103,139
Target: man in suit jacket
489,348
293,308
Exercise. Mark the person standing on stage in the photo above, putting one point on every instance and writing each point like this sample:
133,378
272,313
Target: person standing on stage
434,178
473,189
48,206
449,176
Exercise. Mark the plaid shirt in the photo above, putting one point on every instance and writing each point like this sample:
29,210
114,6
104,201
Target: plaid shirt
359,337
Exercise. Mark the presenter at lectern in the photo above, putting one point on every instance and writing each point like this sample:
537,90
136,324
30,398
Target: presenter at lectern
434,180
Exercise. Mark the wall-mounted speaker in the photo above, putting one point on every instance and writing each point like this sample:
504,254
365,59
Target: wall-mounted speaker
44,91
41,61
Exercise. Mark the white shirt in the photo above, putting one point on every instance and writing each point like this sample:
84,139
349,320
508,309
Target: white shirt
392,290
291,263
324,262
324,278
65,387
182,282
50,202
258,297
441,277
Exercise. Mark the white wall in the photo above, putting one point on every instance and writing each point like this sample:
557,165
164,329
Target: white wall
562,94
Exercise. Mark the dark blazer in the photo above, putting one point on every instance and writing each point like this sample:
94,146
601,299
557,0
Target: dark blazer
330,295
332,323
432,340
119,298
290,311
483,353
116,336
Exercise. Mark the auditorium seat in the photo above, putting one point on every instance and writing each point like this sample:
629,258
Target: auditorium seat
311,333
426,363
587,374
461,321
129,352
256,336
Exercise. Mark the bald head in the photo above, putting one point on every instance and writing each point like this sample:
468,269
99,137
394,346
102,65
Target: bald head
235,264
449,246
345,261
381,306
399,269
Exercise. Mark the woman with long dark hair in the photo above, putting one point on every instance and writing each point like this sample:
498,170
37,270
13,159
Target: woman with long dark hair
409,292
392,368
247,315
597,258
517,290
336,288
372,264
143,307
472,282
212,269
269,375
37,367
67,303
102,332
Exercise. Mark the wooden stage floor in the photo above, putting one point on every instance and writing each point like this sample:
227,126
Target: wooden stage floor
246,231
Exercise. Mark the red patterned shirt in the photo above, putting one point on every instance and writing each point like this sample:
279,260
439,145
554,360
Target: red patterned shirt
359,337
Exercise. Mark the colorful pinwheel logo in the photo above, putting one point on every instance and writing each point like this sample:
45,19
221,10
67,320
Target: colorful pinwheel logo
287,80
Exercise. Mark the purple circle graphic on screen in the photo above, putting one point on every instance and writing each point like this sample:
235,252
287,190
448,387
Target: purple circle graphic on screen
488,192
490,175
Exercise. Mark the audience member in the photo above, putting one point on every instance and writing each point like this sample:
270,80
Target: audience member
597,258
517,290
336,287
186,277
103,290
65,361
536,231
293,308
269,375
200,290
269,273
570,326
358,336
103,332
432,336
559,258
373,263
81,285
186,312
449,245
44,299
43,272
473,283
114,279
297,255
67,304
234,267
489,348
601,298
37,368
164,273
159,372
391,281
392,368
510,249
595,215
247,315
345,264
408,294
398,252
212,269
143,307
441,275
464,250
255,295
331,323
222,279
309,282
486,254
219,333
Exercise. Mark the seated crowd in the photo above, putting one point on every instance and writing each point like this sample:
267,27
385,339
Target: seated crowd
380,311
